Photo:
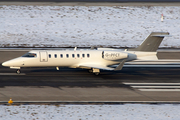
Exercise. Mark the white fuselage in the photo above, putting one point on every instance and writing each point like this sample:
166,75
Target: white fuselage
75,58
65,58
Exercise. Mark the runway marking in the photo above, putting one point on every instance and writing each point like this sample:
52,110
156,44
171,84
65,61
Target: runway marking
12,74
151,83
161,90
175,66
155,86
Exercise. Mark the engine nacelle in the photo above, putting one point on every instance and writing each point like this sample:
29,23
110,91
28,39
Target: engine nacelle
114,55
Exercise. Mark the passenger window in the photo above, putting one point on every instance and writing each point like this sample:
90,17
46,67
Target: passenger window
55,55
83,55
78,55
49,55
61,55
67,55
88,55
73,55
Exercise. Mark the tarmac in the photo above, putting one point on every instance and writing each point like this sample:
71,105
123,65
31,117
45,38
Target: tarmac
131,84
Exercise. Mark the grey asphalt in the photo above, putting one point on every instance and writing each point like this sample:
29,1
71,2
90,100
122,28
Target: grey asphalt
48,84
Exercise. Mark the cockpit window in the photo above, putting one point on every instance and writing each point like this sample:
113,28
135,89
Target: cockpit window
30,55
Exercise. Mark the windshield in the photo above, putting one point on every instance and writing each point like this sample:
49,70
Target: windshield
29,55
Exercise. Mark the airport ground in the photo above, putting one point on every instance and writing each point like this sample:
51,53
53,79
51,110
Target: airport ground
131,84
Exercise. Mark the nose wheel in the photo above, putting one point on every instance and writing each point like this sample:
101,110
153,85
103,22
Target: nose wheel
18,71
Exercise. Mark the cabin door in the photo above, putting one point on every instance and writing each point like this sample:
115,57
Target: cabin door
43,56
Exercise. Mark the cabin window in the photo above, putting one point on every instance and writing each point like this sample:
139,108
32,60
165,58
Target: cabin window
83,55
55,55
78,55
49,55
30,55
61,55
88,55
67,55
73,55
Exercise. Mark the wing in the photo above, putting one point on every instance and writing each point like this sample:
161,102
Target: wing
96,66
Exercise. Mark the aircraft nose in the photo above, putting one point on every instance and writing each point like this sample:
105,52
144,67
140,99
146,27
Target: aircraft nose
14,62
5,64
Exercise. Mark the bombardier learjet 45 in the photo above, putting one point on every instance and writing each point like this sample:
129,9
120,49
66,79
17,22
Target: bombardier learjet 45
94,60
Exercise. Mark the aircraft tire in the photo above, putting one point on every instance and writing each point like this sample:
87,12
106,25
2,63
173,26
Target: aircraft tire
18,71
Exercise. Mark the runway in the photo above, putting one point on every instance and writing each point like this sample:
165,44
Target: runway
79,85
131,84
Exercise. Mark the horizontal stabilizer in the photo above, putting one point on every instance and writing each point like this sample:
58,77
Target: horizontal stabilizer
161,35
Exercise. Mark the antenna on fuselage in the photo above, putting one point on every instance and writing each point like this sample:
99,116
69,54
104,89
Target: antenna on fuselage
75,48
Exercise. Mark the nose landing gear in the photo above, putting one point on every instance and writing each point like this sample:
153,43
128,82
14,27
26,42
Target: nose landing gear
18,71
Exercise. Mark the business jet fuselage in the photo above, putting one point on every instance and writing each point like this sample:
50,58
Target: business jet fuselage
96,59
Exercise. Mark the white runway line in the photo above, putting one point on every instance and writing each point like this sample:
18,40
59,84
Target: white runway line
151,83
12,74
151,66
155,86
163,90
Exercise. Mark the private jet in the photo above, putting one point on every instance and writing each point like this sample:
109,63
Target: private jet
92,59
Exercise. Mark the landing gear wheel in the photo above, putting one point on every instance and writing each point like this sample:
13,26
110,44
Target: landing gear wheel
18,71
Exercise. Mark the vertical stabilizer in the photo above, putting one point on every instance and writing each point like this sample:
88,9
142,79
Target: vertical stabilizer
152,42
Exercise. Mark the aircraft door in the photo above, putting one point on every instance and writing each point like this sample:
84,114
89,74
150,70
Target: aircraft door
43,56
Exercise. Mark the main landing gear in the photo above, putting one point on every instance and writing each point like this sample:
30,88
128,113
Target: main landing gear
95,71
18,71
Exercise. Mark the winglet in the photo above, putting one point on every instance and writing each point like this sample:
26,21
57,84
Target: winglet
120,66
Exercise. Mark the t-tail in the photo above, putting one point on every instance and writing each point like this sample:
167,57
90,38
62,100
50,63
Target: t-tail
152,42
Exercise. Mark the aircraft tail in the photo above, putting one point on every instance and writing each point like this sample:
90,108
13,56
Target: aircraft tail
152,42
